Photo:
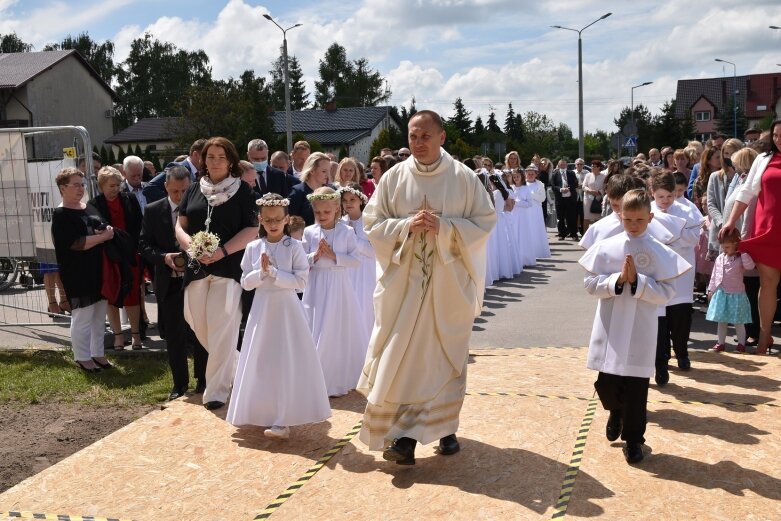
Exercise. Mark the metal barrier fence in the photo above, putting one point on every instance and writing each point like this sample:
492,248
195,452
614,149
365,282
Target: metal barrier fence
29,277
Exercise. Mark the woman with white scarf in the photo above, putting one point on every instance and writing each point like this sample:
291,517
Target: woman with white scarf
223,205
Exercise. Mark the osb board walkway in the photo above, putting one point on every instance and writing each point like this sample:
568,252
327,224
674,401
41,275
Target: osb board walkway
533,447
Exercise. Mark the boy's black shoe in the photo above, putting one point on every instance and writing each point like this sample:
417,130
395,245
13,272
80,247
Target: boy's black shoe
684,364
448,445
402,451
633,452
613,428
662,376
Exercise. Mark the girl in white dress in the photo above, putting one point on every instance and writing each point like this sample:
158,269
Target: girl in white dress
364,278
279,381
539,234
501,242
330,300
524,206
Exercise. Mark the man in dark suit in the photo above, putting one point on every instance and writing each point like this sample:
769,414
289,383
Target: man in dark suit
269,179
155,189
564,183
159,247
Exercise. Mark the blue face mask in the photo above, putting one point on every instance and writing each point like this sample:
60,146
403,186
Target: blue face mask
261,166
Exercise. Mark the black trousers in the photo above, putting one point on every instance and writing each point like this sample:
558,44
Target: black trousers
627,396
752,292
545,212
567,216
679,326
179,337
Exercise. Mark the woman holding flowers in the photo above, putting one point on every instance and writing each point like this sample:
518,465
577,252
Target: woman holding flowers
217,219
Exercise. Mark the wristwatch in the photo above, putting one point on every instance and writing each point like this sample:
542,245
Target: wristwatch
224,251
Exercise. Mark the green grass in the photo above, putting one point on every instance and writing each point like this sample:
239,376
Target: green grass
52,376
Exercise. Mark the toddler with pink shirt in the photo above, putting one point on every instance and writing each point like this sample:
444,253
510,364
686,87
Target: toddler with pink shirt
727,294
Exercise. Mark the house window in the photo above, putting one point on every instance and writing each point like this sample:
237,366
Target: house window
702,115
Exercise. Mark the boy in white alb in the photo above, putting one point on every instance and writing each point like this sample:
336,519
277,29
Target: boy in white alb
675,319
631,273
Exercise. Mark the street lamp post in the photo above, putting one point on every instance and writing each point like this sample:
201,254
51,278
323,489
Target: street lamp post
581,152
734,96
288,122
632,108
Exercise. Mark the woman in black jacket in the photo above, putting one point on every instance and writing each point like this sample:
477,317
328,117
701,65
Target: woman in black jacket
122,211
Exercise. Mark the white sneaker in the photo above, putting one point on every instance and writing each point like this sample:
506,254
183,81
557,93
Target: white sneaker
281,433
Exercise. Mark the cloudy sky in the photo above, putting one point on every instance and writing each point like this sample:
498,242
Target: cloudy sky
488,52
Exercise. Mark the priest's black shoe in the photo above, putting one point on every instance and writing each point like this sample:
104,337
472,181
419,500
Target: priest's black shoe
176,393
662,376
633,452
200,387
214,405
684,364
448,445
402,451
613,428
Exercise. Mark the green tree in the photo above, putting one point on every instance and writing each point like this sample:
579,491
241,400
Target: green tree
726,121
348,83
492,125
12,43
461,148
237,109
460,121
99,55
645,125
383,140
509,121
299,98
479,129
540,135
156,78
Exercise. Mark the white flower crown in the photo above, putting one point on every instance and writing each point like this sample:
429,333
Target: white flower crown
323,197
348,189
272,202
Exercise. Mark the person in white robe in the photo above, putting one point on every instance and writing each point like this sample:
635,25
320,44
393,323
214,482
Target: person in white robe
537,223
675,319
279,382
429,222
632,274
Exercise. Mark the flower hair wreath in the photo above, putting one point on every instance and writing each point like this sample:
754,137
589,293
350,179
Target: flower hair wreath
323,197
272,202
357,193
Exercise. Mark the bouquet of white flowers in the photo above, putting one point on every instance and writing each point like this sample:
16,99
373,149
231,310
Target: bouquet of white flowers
203,243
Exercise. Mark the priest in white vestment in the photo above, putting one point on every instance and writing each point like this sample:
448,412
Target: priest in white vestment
429,221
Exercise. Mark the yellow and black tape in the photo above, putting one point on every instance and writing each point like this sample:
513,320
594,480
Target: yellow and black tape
663,402
568,485
55,517
309,474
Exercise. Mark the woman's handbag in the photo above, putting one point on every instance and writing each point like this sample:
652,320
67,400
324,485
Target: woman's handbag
596,205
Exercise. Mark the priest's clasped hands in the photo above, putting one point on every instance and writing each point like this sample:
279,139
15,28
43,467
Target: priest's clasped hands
424,221
628,271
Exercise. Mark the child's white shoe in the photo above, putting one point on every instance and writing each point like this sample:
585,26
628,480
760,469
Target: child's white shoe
280,433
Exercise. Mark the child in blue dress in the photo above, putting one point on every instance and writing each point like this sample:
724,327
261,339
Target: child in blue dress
728,301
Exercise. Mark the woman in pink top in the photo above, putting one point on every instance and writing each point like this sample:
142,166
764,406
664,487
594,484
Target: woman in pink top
728,301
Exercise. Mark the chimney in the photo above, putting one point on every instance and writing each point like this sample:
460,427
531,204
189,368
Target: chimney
330,106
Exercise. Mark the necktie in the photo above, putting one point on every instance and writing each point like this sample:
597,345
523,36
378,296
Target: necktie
262,182
174,216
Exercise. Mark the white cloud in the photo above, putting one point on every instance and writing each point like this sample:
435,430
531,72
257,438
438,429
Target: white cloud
488,52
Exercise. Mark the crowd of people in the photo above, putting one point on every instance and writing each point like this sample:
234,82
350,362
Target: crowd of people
220,237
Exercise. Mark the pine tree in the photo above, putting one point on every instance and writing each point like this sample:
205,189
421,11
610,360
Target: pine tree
299,98
493,126
479,128
509,121
460,120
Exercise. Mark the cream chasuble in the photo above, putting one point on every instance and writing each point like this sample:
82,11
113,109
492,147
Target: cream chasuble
429,290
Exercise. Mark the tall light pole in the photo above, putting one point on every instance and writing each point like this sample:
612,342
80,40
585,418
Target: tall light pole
734,96
632,108
288,122
581,152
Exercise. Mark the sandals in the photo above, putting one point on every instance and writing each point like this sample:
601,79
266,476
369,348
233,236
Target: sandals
90,370
119,347
54,308
134,346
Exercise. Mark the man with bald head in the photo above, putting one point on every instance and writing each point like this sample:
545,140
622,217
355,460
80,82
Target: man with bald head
428,221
